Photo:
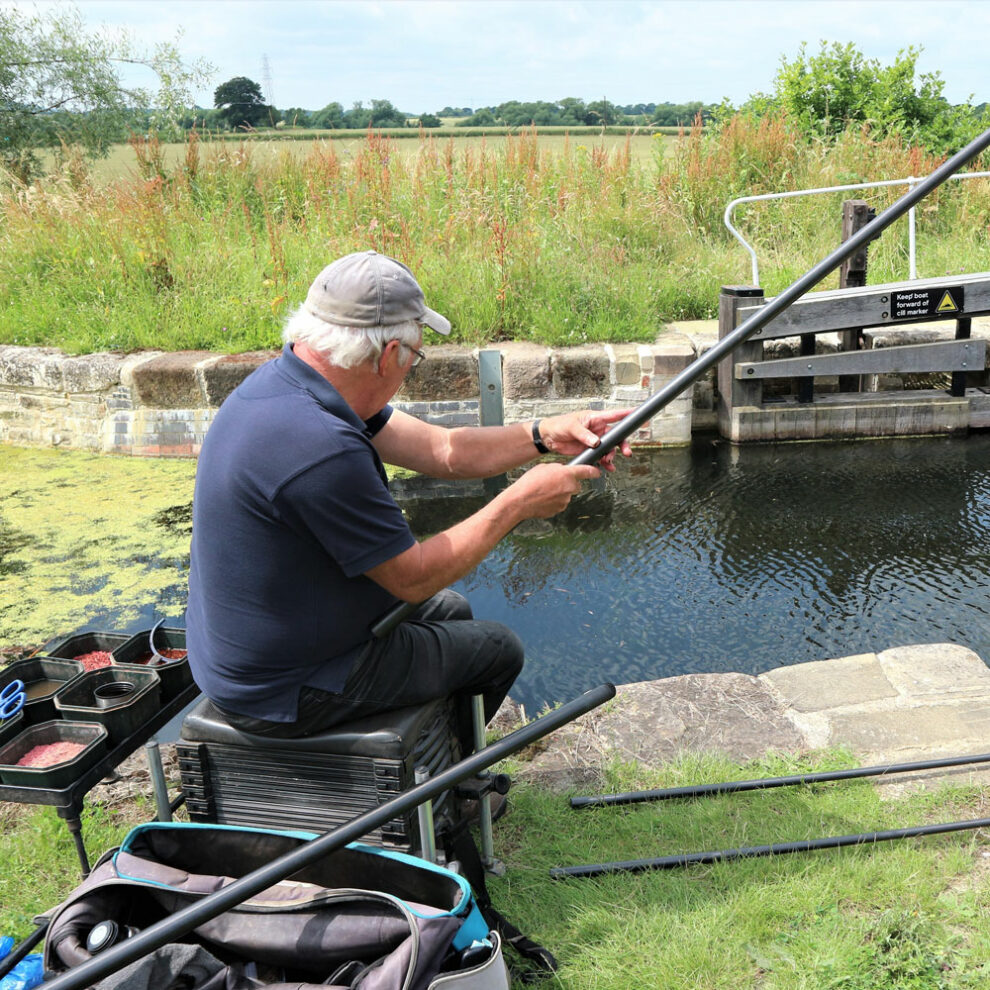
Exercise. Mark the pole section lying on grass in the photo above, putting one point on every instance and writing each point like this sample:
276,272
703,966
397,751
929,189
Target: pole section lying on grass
763,783
748,852
240,890
745,330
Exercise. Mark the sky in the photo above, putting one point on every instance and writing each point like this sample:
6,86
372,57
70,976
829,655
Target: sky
423,55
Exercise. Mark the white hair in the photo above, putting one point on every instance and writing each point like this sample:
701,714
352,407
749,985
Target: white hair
347,347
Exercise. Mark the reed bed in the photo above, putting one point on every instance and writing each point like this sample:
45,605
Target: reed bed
512,240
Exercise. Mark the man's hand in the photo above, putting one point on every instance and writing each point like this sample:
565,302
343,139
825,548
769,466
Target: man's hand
425,568
545,489
572,433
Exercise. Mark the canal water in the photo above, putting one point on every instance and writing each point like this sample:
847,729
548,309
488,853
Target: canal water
718,558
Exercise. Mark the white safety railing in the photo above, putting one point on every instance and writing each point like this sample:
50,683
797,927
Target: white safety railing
910,182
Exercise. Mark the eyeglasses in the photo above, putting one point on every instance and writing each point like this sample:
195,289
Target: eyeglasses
418,359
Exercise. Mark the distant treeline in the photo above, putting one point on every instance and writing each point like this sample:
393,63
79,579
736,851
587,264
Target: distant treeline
568,112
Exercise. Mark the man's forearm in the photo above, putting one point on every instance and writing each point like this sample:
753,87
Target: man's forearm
425,568
437,562
484,451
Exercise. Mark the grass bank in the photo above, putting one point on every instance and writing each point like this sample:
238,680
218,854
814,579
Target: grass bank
908,914
511,239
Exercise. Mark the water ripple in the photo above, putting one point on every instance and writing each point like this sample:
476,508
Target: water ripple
720,558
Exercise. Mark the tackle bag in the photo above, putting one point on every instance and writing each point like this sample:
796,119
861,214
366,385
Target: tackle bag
361,917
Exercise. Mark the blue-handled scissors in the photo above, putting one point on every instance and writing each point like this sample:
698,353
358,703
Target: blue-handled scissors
12,699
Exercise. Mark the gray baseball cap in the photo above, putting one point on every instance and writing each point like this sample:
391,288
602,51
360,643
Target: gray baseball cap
369,289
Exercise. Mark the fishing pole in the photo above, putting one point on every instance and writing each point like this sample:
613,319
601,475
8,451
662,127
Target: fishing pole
750,326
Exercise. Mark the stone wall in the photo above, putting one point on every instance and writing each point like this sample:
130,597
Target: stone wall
162,404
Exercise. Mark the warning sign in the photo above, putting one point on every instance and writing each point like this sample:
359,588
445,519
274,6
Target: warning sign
916,304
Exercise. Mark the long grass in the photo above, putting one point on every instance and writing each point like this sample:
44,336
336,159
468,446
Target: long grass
511,239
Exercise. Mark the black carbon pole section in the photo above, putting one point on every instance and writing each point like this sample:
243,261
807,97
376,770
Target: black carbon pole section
750,852
247,886
763,783
745,330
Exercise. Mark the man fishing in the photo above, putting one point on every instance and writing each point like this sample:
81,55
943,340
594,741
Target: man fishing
298,547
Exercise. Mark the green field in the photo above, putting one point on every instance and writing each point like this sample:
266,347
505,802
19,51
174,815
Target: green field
268,148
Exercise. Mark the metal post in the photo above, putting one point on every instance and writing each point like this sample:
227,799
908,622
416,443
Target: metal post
172,928
492,409
856,214
912,237
485,801
964,327
153,755
427,835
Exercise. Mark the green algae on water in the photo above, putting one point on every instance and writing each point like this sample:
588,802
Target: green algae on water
89,540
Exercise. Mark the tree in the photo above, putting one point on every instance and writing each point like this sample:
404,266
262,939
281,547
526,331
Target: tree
359,116
601,112
429,120
826,92
681,114
482,117
60,85
383,114
242,104
297,117
331,116
572,110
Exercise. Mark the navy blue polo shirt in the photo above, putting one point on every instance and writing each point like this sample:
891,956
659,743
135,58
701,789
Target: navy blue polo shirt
291,507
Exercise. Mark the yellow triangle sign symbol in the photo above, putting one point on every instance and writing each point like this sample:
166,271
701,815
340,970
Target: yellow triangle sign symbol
947,305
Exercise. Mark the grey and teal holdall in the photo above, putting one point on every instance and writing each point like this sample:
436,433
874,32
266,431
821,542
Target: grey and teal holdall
362,917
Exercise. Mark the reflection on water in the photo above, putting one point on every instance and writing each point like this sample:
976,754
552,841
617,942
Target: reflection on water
720,558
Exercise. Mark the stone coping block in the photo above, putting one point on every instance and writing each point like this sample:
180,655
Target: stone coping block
222,376
579,370
672,353
945,669
49,368
825,684
525,370
169,381
906,703
449,372
34,367
626,364
91,372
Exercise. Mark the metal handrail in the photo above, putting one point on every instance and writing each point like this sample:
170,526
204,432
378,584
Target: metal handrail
910,182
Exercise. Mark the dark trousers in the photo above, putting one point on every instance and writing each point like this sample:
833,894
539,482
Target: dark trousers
441,651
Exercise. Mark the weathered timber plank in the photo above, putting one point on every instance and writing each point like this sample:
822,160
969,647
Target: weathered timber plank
946,355
847,309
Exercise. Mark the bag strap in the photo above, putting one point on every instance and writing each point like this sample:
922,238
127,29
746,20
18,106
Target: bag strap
459,844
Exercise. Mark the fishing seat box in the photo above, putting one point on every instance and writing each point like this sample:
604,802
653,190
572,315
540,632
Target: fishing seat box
317,782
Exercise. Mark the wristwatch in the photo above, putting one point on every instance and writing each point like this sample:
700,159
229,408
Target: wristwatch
538,440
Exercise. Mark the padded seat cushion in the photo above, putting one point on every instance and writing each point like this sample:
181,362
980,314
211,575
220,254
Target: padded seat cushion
389,735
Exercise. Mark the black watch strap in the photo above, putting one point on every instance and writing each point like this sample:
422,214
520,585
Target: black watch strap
538,440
